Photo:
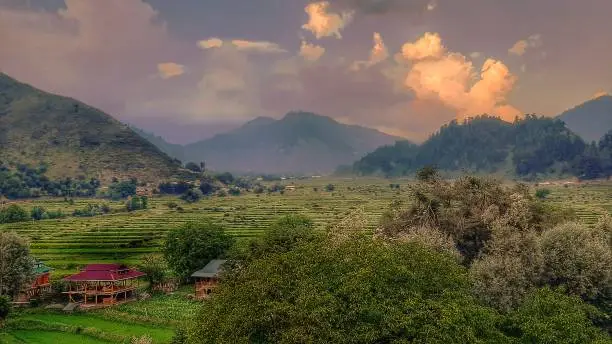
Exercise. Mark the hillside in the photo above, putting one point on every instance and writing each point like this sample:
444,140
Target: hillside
590,120
527,148
72,138
171,149
300,142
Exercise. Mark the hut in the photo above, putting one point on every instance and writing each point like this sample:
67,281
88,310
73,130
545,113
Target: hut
100,285
206,279
39,286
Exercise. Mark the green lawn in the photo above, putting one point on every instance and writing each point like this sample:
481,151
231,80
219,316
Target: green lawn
112,328
47,337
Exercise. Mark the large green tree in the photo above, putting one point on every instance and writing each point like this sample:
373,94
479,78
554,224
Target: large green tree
16,264
190,247
346,290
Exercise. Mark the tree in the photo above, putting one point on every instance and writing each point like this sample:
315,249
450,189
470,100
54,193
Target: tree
37,213
155,267
358,290
191,196
579,258
225,178
330,187
16,264
549,316
192,246
13,213
192,166
284,235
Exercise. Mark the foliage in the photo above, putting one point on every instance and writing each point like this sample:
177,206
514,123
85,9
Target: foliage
174,188
580,259
144,339
191,196
16,264
137,203
467,210
284,235
353,291
192,246
542,193
123,189
192,166
5,307
13,213
528,148
511,268
155,267
225,178
548,316
330,187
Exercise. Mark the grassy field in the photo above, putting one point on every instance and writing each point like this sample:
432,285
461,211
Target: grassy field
66,244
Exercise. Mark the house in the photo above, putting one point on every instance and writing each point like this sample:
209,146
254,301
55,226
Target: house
206,279
39,286
100,285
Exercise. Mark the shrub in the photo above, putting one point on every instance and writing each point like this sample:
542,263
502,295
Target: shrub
542,193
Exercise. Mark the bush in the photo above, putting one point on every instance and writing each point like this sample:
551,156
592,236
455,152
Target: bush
191,196
330,187
542,193
36,213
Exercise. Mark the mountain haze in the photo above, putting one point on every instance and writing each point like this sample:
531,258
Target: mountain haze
300,142
72,138
591,120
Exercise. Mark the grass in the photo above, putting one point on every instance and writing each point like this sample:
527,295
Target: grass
47,337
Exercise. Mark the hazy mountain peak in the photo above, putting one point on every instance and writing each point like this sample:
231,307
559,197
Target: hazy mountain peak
592,119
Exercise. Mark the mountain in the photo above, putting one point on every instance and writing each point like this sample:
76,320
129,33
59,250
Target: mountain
300,142
171,149
72,138
526,148
591,120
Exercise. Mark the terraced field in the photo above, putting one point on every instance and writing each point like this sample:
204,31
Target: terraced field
66,244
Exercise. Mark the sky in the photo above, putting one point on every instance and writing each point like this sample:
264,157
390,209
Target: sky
187,69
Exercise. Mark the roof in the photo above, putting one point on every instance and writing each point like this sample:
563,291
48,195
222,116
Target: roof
41,268
105,272
211,269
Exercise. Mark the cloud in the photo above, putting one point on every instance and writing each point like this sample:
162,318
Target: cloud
311,52
169,70
258,46
210,43
520,47
599,94
475,54
378,53
323,23
387,6
451,78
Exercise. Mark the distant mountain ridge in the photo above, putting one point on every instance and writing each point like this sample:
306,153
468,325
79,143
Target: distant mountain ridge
528,148
591,120
72,138
300,142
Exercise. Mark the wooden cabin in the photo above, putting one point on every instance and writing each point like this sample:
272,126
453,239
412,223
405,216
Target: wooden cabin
39,286
206,279
100,285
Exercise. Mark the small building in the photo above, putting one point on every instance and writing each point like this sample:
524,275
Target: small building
39,286
290,187
206,279
100,285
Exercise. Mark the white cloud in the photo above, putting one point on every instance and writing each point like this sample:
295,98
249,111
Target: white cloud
323,23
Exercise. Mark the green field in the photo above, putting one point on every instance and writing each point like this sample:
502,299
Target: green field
66,244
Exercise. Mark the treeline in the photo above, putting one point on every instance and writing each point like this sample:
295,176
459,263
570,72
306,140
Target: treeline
26,182
528,148
221,185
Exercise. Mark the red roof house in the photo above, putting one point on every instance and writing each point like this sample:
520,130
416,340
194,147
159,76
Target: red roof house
104,284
